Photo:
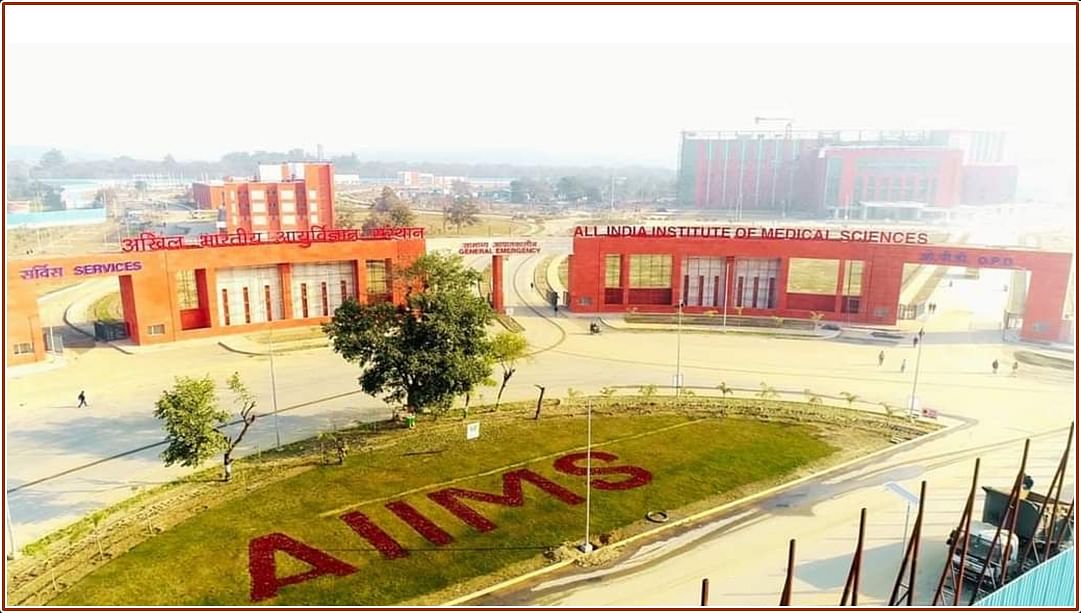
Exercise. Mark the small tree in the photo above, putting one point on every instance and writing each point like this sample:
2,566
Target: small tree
890,412
725,391
507,348
812,398
647,392
849,398
194,421
572,394
767,391
337,442
607,393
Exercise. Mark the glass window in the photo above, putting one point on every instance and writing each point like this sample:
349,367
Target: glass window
651,271
156,330
24,348
870,193
378,282
910,186
187,293
611,270
857,189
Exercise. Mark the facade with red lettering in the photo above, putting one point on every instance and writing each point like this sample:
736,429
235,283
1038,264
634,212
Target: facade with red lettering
745,270
173,290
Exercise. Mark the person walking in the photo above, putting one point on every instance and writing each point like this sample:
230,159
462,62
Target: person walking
903,363
915,341
994,366
1016,365
881,357
82,399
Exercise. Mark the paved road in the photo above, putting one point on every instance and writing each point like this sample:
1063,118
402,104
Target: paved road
47,435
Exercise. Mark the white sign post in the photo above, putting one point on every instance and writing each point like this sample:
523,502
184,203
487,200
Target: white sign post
909,498
472,431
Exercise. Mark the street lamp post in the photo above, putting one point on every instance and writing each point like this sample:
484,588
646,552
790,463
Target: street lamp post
274,390
679,348
724,317
11,531
915,375
586,546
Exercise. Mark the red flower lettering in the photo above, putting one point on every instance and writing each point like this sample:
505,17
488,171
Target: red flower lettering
511,497
424,526
375,535
261,567
568,465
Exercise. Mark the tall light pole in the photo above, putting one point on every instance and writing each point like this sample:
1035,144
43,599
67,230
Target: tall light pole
586,546
274,389
679,348
11,531
724,317
915,375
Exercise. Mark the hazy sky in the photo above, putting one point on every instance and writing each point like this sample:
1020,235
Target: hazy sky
604,84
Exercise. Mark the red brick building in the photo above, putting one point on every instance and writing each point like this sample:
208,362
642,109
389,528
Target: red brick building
750,275
283,197
839,173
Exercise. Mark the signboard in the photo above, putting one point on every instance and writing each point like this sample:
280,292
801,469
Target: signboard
43,271
148,241
505,245
472,431
499,247
886,237
899,489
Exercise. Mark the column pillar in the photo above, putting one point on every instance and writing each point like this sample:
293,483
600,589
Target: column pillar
497,284
781,301
839,294
285,274
210,280
625,277
676,281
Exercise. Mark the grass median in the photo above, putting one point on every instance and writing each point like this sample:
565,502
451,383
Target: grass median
205,560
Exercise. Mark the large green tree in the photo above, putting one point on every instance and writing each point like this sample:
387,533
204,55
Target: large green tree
425,352
462,212
194,421
389,210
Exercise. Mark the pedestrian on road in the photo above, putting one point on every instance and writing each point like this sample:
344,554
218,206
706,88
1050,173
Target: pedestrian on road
915,341
82,400
881,357
1016,365
903,362
994,366
555,306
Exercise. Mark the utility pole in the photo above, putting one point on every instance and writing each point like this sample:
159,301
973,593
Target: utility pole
273,387
915,375
586,546
11,532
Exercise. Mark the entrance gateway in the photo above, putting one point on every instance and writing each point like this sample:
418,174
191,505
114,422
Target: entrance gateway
172,289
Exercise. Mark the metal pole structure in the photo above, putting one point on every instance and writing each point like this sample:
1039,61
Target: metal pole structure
852,584
704,600
586,545
1058,493
679,348
911,556
274,389
11,531
961,533
786,591
1009,515
915,376
724,318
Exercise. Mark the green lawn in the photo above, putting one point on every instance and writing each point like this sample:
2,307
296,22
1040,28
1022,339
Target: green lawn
204,561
